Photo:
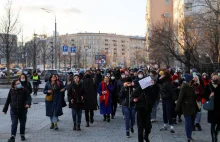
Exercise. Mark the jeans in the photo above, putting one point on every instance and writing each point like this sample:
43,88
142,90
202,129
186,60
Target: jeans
77,116
154,110
54,118
189,126
143,123
35,86
129,117
167,111
199,114
89,114
15,116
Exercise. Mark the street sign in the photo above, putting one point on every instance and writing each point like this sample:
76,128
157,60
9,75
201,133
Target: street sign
65,50
73,50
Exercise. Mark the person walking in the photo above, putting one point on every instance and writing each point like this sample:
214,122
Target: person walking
187,101
19,101
213,90
90,98
113,81
76,101
105,93
27,85
128,105
53,100
36,81
144,101
199,91
62,93
168,95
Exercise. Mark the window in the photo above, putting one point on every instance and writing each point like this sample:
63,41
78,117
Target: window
188,6
167,15
167,2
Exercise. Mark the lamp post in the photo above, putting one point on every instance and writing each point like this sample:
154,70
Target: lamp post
55,36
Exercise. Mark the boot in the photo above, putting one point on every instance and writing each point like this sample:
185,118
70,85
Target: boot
12,139
104,117
108,118
78,127
198,127
87,124
74,127
55,126
52,126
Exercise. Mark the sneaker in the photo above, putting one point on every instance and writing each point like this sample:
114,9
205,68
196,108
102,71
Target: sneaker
52,126
190,140
132,130
127,134
198,127
164,128
12,139
55,127
23,138
172,131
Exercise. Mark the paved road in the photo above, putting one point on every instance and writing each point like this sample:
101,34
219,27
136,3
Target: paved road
38,129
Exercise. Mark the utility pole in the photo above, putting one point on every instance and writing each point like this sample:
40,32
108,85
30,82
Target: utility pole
34,60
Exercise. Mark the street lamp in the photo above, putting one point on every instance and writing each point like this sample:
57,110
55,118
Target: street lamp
55,36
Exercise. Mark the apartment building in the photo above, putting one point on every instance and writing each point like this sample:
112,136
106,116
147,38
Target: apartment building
120,50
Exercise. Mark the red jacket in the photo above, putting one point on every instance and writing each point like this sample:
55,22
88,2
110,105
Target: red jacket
198,88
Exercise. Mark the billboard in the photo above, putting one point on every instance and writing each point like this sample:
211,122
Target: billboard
100,59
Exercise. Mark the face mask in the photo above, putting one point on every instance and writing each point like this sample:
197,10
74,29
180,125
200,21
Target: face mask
122,76
215,81
218,74
22,80
176,81
19,86
204,77
140,76
129,84
112,77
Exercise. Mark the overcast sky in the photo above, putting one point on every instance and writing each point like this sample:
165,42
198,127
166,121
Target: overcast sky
109,16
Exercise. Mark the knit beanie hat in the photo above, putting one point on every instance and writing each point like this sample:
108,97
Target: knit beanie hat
188,77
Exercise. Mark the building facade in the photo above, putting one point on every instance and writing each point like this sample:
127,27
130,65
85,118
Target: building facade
119,50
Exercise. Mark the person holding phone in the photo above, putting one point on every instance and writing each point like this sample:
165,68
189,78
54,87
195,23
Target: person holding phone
105,92
19,100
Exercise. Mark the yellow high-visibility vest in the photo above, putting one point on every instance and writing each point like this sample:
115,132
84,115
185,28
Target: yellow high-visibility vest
35,77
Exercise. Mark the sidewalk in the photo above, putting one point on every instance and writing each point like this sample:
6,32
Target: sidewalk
38,129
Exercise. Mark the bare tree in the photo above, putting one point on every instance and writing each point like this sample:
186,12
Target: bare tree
9,29
180,41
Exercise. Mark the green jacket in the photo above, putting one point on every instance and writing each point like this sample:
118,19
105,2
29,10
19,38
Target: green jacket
187,100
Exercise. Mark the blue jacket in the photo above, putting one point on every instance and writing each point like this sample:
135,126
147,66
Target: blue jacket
106,109
56,103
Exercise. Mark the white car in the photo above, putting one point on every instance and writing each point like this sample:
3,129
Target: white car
2,74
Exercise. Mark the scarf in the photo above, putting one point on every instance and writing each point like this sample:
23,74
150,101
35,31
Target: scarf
104,97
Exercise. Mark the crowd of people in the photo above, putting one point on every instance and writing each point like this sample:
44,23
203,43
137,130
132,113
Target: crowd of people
180,94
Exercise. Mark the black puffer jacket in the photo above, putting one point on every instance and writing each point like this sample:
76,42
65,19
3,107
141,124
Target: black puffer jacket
18,99
167,91
126,96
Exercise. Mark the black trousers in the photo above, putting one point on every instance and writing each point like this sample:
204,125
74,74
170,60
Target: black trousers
89,114
114,107
143,123
215,128
35,86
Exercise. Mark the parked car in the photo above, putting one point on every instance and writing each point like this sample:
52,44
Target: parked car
28,71
15,70
2,74
1,69
5,71
53,71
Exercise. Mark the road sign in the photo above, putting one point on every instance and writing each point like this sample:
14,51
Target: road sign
73,50
65,50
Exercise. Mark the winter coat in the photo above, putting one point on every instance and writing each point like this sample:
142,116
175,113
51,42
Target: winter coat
90,95
56,104
146,97
98,80
176,89
187,101
126,96
63,95
114,91
167,92
75,92
213,116
27,85
18,99
120,85
106,109
198,88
